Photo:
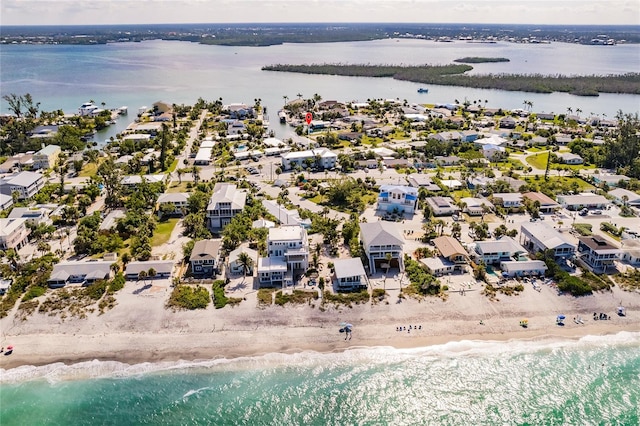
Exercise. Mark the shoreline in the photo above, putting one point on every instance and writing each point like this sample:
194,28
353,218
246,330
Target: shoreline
153,348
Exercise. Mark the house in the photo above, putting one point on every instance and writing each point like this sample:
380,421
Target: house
13,233
503,249
508,122
493,152
162,268
540,237
137,138
478,182
597,253
442,206
291,244
382,243
450,160
234,265
179,201
204,258
452,251
547,205
263,223
34,215
203,156
453,137
438,266
235,128
321,158
514,184
132,181
580,201
618,194
26,184
476,206
285,216
418,180
225,203
631,252
162,107
452,184
240,111
6,201
508,199
46,158
545,116
398,198
111,220
515,268
272,272
569,158
609,180
349,274
84,273
43,132
88,109
468,135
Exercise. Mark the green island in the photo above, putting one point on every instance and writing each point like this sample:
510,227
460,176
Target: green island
479,60
454,75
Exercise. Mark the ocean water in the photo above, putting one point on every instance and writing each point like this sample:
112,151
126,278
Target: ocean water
591,381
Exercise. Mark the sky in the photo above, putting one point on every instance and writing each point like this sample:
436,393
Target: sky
78,12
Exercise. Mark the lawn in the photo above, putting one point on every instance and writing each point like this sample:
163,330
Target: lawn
88,170
539,161
178,187
172,167
536,149
163,231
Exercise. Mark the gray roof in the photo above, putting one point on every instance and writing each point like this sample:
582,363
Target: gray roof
380,233
205,249
502,245
161,266
544,233
93,270
227,193
173,197
25,179
348,267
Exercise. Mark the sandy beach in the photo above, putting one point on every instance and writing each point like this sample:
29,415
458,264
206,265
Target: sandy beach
140,329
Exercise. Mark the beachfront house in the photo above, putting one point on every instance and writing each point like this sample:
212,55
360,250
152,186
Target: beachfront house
503,249
225,203
25,184
438,266
451,250
397,198
540,237
83,273
291,244
234,265
597,253
272,272
383,245
522,268
204,259
153,269
349,274
631,252
14,233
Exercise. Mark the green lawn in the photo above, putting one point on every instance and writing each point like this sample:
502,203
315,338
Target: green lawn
163,231
178,187
539,161
88,170
172,167
536,149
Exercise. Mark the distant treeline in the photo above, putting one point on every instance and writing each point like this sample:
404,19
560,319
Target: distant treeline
479,60
453,75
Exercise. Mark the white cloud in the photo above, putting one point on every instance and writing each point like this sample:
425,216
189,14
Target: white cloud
25,12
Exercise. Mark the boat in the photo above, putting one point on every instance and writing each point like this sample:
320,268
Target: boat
423,90
282,116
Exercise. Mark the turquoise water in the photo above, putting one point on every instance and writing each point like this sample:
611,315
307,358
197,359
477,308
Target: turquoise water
595,380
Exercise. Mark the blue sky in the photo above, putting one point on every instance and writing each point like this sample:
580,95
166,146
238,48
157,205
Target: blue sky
72,12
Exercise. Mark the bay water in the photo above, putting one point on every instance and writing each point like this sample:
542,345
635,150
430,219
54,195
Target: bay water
591,381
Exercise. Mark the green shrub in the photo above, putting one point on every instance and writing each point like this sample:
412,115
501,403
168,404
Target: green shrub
347,298
378,292
219,298
265,296
185,297
575,286
117,283
298,297
33,292
96,290
583,229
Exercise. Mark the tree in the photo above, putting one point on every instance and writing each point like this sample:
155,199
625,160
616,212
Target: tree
142,276
111,177
151,273
246,262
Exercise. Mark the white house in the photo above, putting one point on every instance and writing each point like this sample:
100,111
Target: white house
508,199
162,268
285,216
515,268
6,201
84,273
547,205
26,184
272,272
321,158
476,206
291,244
438,266
442,206
399,198
13,233
178,200
631,252
493,152
225,203
503,249
619,194
569,158
234,265
203,157
538,236
383,244
349,274
33,215
580,201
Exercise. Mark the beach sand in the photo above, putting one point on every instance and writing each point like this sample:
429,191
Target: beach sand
140,329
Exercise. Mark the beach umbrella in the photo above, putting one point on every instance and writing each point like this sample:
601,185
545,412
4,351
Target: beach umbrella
561,317
9,348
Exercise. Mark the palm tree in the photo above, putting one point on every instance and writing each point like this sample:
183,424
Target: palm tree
180,172
142,275
299,95
151,273
246,262
286,98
